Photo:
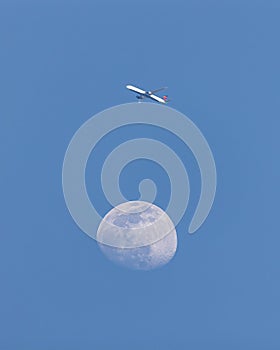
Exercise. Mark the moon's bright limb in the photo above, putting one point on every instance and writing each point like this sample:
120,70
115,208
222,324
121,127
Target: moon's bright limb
127,222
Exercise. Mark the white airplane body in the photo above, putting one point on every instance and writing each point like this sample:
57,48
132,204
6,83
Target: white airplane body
149,94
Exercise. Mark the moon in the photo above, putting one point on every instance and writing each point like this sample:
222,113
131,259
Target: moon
130,222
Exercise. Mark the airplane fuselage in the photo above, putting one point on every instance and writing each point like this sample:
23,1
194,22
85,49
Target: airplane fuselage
146,94
141,94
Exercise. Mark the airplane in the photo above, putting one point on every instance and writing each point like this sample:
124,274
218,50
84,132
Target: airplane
149,94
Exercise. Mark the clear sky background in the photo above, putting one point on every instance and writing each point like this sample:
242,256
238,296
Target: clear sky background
64,61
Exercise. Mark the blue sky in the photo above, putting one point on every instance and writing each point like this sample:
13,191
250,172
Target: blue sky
64,61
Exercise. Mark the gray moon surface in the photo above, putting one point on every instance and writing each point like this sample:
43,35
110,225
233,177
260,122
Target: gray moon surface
130,222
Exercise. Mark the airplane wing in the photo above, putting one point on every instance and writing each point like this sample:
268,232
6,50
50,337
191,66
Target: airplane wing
157,90
135,89
158,99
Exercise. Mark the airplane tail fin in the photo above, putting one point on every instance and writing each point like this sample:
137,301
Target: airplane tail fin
166,99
